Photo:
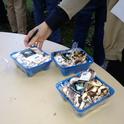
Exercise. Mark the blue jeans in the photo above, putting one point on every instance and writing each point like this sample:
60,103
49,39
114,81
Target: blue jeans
82,24
39,7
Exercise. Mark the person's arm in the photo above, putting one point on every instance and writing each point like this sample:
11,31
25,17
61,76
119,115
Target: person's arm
61,14
64,12
71,7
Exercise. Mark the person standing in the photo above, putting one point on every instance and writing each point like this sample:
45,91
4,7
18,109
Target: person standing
16,10
61,14
83,21
114,43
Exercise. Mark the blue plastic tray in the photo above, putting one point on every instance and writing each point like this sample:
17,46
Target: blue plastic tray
33,70
72,69
90,107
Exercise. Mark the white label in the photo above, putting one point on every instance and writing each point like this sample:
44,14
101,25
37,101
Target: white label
85,76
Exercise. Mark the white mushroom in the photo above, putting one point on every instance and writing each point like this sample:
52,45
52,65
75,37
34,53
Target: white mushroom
76,101
94,89
65,89
82,105
96,83
101,89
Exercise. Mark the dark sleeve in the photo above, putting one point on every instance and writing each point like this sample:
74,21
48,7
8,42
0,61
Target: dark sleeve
57,17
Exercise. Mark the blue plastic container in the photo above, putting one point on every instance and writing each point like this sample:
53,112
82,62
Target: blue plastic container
32,70
75,68
91,106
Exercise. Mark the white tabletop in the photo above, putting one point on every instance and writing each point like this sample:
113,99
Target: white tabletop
35,100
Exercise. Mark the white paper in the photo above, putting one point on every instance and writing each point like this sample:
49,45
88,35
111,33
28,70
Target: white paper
85,76
118,10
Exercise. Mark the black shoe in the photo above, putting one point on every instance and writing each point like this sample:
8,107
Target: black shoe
116,69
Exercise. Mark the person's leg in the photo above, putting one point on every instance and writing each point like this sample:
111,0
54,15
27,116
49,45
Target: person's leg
11,15
21,16
114,44
114,31
82,24
100,18
38,10
3,17
56,36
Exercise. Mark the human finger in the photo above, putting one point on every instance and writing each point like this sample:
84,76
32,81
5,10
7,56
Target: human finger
34,40
29,36
40,44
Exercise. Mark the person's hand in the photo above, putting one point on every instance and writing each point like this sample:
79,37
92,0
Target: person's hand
43,33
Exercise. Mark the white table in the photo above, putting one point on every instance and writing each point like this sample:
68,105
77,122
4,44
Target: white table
35,100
